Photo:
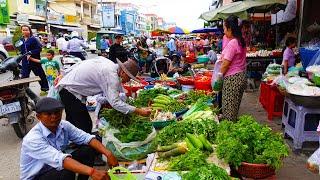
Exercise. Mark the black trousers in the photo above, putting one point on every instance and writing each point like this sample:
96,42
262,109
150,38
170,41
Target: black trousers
76,112
78,54
84,155
38,71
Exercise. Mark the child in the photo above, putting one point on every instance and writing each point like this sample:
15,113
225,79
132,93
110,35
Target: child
288,54
51,67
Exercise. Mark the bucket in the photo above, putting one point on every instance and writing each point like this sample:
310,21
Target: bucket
186,88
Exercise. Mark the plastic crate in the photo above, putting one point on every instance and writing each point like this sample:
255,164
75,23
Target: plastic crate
306,56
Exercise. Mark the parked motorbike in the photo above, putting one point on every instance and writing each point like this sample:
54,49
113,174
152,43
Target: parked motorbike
17,101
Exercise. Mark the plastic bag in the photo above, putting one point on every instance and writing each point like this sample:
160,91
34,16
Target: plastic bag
314,161
127,151
53,92
216,80
315,59
127,176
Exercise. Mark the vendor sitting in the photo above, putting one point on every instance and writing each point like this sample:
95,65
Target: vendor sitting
288,54
44,152
178,65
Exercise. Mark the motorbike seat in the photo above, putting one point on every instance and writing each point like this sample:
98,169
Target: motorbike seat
8,64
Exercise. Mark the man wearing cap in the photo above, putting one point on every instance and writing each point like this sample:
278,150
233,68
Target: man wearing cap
45,153
116,50
96,76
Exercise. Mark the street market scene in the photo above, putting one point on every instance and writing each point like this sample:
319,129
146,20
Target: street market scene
159,89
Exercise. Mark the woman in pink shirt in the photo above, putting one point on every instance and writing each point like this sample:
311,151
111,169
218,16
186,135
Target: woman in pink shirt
233,69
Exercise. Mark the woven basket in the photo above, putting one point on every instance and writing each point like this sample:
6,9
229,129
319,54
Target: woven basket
255,171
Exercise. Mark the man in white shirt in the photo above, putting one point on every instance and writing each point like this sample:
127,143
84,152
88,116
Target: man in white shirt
96,76
61,44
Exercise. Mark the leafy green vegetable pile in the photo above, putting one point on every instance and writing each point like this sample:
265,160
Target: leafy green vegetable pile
193,96
146,96
206,172
177,131
187,162
248,141
119,120
132,127
138,131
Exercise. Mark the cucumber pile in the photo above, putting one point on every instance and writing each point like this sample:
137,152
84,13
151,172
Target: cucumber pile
167,104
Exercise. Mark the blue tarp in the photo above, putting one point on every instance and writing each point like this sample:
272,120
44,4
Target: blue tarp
207,30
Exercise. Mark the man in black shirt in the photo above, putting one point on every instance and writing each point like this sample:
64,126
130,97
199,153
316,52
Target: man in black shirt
118,51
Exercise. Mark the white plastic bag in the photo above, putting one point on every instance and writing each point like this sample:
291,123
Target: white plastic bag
314,160
125,151
53,92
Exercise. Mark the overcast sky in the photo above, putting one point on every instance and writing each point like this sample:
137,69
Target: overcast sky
184,12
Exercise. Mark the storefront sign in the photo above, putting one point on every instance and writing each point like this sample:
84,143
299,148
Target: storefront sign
55,18
108,11
4,12
69,19
23,18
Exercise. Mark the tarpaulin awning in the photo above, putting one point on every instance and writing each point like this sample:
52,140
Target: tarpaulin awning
216,14
207,30
69,28
178,30
241,8
256,6
159,32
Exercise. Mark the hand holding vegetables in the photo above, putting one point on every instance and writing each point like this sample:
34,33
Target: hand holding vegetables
143,111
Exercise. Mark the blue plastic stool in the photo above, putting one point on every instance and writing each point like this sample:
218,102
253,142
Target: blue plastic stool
285,113
301,124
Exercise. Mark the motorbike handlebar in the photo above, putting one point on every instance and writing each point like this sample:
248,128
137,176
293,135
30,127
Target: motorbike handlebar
11,63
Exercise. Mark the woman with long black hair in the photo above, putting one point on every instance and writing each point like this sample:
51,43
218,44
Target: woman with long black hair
32,44
233,69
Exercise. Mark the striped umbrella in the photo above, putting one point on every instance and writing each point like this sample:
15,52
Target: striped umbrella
177,30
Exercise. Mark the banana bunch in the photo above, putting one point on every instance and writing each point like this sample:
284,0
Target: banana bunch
164,77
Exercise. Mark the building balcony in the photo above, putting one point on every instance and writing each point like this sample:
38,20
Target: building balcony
92,2
91,21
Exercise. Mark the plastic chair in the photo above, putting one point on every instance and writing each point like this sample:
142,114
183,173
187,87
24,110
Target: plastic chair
301,124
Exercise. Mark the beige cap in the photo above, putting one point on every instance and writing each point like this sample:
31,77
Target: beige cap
130,67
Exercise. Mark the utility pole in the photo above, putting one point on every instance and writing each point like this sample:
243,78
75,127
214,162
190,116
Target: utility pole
46,17
101,6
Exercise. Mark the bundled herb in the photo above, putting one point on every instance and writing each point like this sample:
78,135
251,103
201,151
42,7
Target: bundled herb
248,141
187,162
206,172
178,131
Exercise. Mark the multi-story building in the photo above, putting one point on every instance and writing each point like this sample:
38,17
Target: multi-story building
55,15
152,22
141,24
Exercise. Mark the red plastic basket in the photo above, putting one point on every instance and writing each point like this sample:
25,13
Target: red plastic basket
186,80
191,58
255,171
133,89
203,83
